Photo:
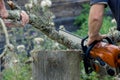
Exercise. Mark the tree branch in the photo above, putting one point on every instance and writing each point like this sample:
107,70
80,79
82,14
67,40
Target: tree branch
50,31
45,27
47,30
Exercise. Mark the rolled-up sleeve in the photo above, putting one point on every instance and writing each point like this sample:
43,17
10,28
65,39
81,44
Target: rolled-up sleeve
99,1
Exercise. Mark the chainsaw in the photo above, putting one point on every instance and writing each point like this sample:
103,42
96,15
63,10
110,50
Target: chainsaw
101,56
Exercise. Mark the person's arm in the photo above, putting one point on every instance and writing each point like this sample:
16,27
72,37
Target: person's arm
95,22
1,4
4,14
3,11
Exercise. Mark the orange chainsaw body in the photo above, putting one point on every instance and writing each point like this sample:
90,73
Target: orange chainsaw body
109,53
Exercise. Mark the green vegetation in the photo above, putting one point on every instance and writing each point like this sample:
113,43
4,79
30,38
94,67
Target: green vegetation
18,72
16,69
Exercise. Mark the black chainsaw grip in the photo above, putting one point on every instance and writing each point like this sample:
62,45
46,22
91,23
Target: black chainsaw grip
87,50
92,44
109,40
84,47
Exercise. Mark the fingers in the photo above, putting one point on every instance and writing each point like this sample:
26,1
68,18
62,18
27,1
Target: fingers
24,17
90,41
97,38
3,11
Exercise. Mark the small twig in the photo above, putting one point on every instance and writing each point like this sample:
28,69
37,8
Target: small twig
8,45
5,31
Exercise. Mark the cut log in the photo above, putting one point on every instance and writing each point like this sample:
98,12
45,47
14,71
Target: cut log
56,65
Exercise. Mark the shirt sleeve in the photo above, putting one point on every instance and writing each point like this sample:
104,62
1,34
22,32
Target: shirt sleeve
92,2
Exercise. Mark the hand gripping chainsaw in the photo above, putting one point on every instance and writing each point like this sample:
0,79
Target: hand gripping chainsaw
101,56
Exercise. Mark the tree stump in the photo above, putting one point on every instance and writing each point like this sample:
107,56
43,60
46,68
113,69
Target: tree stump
56,65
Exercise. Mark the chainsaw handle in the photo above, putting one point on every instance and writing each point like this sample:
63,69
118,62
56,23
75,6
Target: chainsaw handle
94,43
109,40
86,49
89,48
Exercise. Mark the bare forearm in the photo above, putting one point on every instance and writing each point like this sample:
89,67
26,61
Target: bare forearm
2,5
95,20
94,26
